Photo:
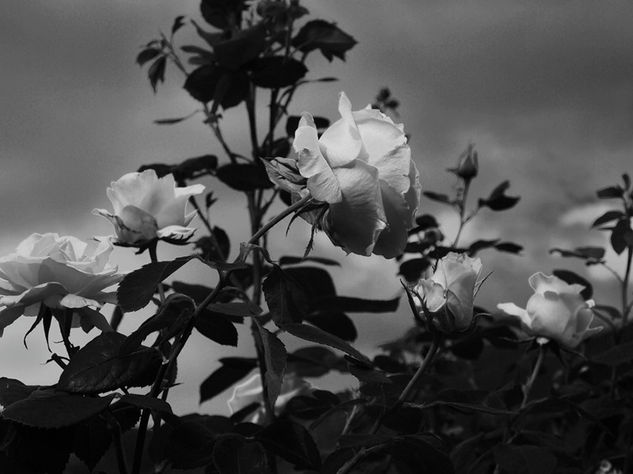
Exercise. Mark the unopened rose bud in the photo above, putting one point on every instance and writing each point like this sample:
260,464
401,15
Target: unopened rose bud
449,294
468,166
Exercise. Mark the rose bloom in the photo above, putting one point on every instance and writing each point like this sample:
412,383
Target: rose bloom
147,207
556,311
61,273
361,166
450,293
251,391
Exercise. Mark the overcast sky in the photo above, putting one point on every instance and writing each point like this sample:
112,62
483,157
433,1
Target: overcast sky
543,88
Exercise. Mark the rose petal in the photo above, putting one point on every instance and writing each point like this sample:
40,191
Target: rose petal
175,232
432,293
393,238
130,189
514,310
322,183
379,134
549,314
356,222
541,283
342,142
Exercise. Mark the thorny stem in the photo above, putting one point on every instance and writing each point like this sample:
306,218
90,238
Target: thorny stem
364,452
625,288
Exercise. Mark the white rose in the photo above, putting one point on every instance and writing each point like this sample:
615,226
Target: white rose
251,391
556,311
147,207
361,166
59,272
450,292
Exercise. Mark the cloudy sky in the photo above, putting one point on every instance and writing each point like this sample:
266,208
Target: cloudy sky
543,88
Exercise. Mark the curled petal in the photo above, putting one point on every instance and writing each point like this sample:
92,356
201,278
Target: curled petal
176,232
541,283
321,183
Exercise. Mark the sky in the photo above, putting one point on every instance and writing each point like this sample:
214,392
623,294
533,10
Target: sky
544,89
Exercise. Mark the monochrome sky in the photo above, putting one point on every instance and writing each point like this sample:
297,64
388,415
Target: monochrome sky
544,89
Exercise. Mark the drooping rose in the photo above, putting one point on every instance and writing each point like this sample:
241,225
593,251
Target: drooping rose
362,168
556,311
250,391
450,293
147,207
59,272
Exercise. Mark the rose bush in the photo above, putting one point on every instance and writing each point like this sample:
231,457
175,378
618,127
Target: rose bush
361,166
147,207
449,294
556,311
61,273
250,391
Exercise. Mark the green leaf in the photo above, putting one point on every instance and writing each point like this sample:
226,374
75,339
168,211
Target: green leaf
233,369
12,390
147,55
498,200
275,72
137,288
358,305
149,403
610,192
242,48
210,82
592,254
419,453
525,459
235,455
216,328
438,197
607,217
222,13
91,441
324,36
275,356
314,334
616,355
292,442
286,297
243,176
573,278
171,318
289,260
100,366
622,236
335,322
49,408
156,72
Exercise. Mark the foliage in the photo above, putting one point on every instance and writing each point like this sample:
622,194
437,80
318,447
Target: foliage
490,394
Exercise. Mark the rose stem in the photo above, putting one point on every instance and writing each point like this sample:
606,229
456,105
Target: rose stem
154,259
430,355
289,210
530,381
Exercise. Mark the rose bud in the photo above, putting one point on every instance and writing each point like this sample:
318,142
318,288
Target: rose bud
450,293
